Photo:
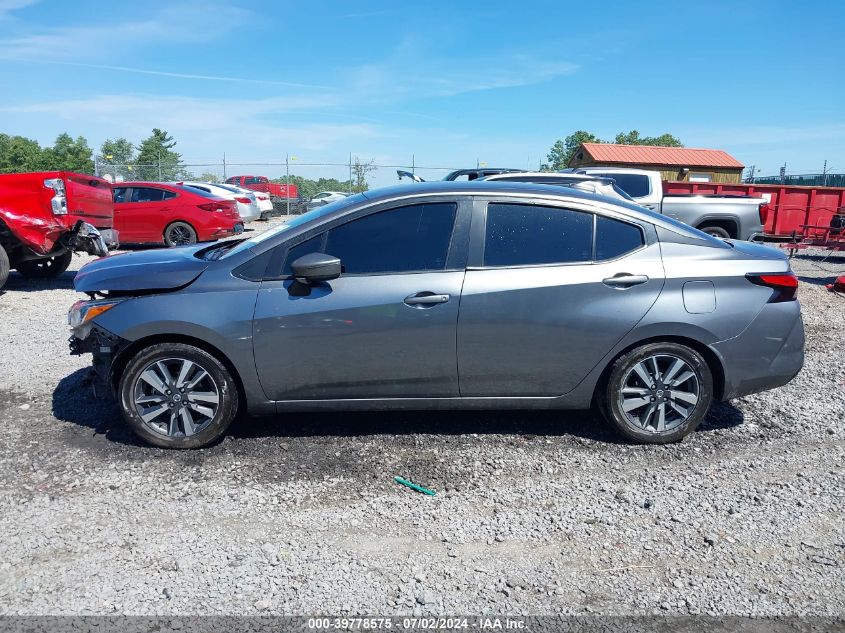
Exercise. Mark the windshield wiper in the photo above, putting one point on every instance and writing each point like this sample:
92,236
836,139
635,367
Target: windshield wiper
216,252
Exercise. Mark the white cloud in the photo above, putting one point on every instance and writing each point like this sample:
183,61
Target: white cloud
115,39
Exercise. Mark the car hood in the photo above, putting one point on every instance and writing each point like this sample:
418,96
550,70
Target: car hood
157,269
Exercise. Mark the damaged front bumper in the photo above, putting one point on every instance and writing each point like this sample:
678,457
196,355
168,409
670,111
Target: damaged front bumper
103,347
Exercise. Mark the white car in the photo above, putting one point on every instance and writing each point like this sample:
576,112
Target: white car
325,197
248,206
264,202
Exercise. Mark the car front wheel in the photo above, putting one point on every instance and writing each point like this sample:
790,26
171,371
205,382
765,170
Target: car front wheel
175,395
657,393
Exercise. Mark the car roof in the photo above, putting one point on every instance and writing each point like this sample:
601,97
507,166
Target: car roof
614,170
494,188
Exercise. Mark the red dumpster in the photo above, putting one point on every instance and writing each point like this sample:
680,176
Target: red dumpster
789,206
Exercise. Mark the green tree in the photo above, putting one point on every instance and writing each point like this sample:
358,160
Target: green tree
208,176
308,188
117,158
69,154
633,138
359,174
156,159
563,150
19,154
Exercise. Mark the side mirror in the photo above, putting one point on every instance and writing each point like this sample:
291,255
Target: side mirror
315,267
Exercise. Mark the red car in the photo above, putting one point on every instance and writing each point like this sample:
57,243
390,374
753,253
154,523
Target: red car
156,212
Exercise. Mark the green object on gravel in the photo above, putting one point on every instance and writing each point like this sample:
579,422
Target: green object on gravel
413,486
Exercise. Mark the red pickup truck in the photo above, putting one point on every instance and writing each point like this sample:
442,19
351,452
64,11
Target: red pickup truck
45,216
262,183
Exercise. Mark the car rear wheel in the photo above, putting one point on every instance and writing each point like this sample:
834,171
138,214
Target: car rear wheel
4,266
175,395
180,234
46,266
716,231
657,393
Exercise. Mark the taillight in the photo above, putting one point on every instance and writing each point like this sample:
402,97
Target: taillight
784,285
764,213
212,206
58,203
243,200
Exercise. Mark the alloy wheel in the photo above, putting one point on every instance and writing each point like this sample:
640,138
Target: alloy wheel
176,397
180,235
659,393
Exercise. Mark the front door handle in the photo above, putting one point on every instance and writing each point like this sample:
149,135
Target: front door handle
425,299
624,280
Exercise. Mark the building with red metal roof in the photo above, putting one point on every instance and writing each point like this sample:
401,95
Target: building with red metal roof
675,163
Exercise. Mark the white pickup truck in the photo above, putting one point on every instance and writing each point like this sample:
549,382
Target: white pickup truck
737,217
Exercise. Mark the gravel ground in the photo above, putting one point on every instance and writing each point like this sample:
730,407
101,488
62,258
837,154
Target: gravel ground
536,513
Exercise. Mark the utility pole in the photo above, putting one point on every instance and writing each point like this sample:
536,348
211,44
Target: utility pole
224,166
783,174
350,172
751,171
159,165
824,174
287,181
413,164
96,165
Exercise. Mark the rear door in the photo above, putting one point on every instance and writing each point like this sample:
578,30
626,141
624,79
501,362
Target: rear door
549,290
386,328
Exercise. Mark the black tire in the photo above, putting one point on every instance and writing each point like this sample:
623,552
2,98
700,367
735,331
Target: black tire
716,231
180,234
219,382
46,267
4,266
623,374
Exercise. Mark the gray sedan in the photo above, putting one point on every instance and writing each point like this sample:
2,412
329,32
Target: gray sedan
439,296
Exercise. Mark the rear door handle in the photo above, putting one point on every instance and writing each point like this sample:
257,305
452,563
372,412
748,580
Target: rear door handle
425,299
624,280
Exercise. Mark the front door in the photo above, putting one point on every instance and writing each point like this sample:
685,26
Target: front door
545,302
385,329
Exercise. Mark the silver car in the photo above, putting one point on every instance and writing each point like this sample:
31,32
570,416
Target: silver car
441,296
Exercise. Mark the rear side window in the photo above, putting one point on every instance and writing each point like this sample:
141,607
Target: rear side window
615,238
635,185
406,239
147,194
521,234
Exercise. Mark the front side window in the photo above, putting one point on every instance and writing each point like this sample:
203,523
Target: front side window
119,194
407,239
615,238
147,194
522,234
303,248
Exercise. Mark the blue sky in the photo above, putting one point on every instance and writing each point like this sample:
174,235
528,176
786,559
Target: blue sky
450,82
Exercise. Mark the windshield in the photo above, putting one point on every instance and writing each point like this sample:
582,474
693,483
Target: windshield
296,221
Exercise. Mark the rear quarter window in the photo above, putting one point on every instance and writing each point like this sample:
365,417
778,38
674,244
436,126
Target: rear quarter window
615,238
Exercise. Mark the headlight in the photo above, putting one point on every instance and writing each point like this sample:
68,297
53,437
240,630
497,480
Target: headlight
83,312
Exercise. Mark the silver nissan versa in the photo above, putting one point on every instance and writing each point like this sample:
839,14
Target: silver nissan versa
439,296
